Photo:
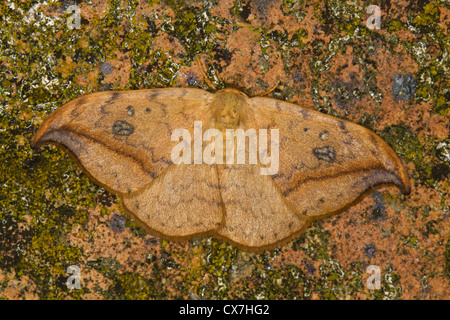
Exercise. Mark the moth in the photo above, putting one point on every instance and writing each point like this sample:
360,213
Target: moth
168,155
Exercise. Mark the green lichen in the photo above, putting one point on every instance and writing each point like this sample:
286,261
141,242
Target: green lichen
395,25
129,286
421,151
43,187
287,283
49,197
194,27
294,8
218,262
345,16
161,71
411,241
134,228
314,242
434,73
429,17
337,283
106,266
431,227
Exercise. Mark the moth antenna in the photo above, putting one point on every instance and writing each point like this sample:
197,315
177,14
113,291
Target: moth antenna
205,76
270,90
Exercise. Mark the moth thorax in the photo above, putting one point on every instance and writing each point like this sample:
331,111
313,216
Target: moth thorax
229,107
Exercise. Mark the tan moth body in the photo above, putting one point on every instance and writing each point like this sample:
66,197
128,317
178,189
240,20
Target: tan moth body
123,141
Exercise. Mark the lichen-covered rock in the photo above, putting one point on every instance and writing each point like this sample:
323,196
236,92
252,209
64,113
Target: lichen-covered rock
393,80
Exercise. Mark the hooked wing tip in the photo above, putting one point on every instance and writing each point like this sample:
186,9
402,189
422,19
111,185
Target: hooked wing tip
405,185
37,140
392,164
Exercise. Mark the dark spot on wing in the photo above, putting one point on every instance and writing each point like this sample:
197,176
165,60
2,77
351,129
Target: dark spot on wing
122,128
130,111
323,135
326,153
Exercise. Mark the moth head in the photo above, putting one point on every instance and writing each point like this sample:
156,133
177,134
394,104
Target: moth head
229,108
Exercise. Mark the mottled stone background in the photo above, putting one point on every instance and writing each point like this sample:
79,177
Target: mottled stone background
394,80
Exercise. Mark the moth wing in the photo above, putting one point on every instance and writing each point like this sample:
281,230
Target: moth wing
256,214
325,163
183,202
123,138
